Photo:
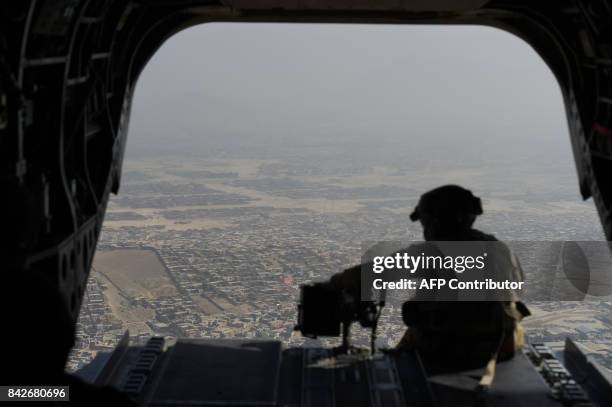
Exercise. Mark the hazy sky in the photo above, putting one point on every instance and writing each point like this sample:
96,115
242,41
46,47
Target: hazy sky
291,82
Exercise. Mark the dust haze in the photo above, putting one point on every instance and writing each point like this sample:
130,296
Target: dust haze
261,156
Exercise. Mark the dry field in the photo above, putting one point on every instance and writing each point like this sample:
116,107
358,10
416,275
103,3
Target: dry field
136,272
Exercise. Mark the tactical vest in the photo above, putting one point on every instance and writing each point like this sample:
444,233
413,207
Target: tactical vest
462,335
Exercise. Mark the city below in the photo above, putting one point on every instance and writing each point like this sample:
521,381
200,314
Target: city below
217,247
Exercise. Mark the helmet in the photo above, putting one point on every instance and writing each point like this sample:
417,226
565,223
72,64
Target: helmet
448,203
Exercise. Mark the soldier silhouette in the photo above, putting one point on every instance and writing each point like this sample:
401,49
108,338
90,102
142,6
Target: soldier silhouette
455,335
